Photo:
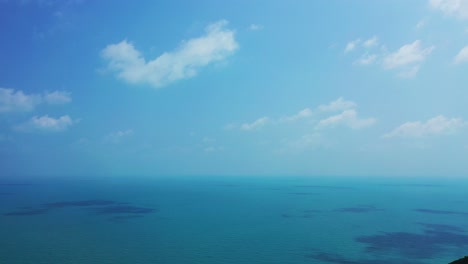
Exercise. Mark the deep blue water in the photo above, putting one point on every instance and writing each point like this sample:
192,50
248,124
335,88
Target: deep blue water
234,220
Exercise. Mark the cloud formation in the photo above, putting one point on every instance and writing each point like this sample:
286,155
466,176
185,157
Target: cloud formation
366,59
304,113
118,136
462,55
347,118
456,8
128,63
409,54
352,45
255,125
255,27
438,125
369,43
46,124
18,101
339,104
57,97
408,58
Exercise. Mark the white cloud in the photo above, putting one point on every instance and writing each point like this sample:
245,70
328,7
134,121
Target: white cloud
438,125
46,124
374,41
304,113
420,24
255,27
347,118
18,101
129,64
57,97
457,8
256,124
407,58
339,104
366,59
352,45
406,55
118,136
462,56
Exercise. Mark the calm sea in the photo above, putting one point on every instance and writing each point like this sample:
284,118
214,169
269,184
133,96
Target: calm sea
234,220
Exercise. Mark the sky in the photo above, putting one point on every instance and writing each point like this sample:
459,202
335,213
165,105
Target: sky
267,87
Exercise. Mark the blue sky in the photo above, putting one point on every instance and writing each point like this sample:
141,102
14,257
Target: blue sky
371,88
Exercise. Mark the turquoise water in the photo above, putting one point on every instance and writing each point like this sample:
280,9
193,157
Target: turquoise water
234,220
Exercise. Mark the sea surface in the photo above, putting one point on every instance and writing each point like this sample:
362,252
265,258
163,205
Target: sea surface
132,220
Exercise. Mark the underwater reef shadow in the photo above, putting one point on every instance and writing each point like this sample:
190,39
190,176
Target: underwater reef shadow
439,212
116,211
359,209
339,259
434,240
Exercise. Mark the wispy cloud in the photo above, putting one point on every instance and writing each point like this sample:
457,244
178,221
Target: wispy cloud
255,27
339,104
255,124
17,101
347,118
456,8
57,97
304,113
420,24
438,125
409,54
46,124
352,45
216,44
118,136
407,59
462,55
366,59
369,43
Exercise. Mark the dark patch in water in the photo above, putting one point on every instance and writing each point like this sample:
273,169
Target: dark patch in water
101,207
123,209
443,228
305,215
228,185
24,212
287,216
430,243
309,211
16,184
339,259
79,203
359,209
431,211
324,187
271,189
303,193
413,185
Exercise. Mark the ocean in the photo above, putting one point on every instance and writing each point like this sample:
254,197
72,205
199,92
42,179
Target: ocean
133,220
